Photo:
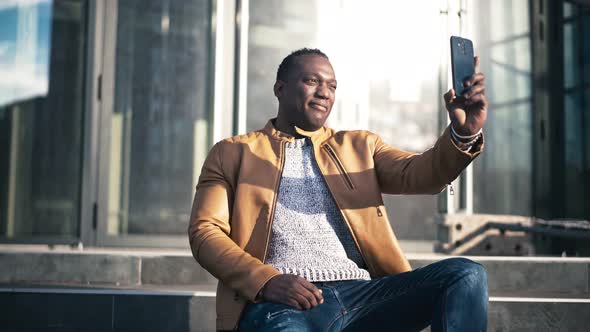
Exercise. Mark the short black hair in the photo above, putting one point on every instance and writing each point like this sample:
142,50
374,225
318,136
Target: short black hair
288,61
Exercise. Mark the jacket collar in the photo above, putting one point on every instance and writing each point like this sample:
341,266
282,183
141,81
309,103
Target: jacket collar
316,136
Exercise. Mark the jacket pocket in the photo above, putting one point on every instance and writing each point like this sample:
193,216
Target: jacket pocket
341,168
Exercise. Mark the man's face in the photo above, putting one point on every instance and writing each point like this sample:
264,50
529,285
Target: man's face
307,95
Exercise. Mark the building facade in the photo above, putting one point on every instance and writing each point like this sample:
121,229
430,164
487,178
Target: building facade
108,108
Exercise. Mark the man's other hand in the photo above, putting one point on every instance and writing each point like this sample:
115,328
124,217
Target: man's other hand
468,112
292,290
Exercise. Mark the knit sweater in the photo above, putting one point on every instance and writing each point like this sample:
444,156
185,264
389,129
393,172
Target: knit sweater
309,236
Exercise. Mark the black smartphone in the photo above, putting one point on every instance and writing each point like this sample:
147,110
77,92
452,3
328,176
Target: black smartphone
462,62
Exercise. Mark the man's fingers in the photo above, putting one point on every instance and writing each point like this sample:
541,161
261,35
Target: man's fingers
318,295
313,289
478,78
449,96
308,295
480,97
477,89
302,300
476,61
301,289
294,291
312,299
475,79
293,303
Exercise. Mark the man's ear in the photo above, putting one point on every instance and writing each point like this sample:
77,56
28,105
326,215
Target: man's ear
278,88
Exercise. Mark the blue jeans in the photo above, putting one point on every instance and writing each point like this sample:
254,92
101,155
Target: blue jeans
449,295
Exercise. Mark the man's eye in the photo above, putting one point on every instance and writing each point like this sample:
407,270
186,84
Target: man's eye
333,87
312,80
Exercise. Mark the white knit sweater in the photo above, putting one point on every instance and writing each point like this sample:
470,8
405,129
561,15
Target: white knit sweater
309,237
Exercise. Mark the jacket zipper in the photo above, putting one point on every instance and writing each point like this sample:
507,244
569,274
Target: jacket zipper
451,190
274,203
328,148
340,166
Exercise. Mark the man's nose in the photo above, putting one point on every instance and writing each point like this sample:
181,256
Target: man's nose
323,91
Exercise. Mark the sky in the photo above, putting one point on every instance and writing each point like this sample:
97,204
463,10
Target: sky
25,32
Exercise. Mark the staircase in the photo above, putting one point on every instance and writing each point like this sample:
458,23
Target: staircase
100,290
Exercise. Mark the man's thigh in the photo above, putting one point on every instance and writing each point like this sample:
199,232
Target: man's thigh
386,303
267,316
273,317
402,302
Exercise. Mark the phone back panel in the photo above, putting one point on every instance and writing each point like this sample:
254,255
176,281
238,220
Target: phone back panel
462,62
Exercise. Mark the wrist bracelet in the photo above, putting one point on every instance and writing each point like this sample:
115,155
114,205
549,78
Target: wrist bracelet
463,143
465,146
465,137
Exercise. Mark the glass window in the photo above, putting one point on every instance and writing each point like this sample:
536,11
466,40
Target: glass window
586,127
503,173
387,78
159,124
569,9
571,63
41,117
574,156
586,180
586,46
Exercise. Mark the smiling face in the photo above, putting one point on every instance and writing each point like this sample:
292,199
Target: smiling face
307,95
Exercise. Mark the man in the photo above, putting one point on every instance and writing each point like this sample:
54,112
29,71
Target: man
290,218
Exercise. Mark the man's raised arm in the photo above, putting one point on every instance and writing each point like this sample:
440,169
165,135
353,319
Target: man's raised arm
401,172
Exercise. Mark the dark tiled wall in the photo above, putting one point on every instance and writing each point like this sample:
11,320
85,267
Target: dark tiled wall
95,312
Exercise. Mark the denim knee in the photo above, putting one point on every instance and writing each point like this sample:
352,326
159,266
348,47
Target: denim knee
470,273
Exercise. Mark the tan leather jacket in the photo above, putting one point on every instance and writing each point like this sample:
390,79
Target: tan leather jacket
236,195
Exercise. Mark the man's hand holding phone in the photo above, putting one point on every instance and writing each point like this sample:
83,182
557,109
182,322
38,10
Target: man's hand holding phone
468,111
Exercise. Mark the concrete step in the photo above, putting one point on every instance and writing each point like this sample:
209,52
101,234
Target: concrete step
135,268
100,267
561,275
182,308
518,314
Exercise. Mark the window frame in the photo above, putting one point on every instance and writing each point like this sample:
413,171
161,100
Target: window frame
95,219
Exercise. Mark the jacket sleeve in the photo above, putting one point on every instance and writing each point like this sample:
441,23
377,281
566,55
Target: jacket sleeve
401,172
209,231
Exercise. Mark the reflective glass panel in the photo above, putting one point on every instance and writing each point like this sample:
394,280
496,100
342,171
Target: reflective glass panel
574,156
159,124
42,62
571,55
587,154
586,46
569,9
503,173
587,133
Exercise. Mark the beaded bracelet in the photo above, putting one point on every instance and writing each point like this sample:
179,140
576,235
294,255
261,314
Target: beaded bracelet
465,137
465,146
462,143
